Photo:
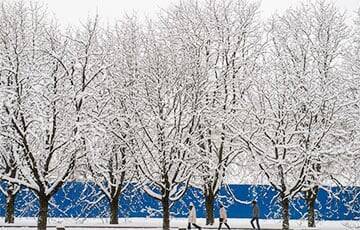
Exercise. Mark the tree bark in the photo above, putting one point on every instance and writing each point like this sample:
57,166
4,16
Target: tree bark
166,212
114,210
311,196
43,212
10,206
285,212
209,205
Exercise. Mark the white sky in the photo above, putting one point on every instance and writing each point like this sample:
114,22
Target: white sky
73,11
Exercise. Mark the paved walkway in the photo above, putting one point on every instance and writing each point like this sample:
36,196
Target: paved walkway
109,227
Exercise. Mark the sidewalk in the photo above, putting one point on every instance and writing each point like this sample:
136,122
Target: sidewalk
156,223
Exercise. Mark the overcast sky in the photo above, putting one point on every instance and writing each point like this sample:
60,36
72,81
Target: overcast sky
72,11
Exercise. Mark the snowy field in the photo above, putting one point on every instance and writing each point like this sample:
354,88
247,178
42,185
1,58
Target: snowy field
155,223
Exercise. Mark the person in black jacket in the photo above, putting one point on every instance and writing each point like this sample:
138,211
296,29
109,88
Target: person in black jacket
255,215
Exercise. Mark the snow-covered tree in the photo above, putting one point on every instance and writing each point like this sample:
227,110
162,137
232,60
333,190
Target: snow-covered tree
37,108
297,102
351,159
8,146
224,40
326,136
165,120
110,159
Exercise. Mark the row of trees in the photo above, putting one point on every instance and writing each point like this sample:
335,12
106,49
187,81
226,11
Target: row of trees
179,101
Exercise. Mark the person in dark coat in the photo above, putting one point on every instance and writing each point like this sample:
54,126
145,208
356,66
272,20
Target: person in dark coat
255,215
223,217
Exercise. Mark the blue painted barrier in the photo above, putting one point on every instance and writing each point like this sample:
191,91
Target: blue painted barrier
77,199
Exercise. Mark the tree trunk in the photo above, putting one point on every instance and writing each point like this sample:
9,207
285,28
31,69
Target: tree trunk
43,212
311,199
285,212
114,210
209,205
166,212
10,206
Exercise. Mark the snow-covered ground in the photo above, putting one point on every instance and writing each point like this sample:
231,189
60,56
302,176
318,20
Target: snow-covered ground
82,224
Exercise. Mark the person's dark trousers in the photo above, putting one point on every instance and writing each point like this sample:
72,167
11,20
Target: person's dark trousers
257,223
225,225
195,225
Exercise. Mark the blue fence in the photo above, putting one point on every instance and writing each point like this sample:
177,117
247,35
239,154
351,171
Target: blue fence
78,199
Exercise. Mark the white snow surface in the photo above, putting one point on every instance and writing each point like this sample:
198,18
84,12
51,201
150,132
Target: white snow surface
156,223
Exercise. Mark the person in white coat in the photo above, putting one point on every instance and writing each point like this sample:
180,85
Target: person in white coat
192,217
223,217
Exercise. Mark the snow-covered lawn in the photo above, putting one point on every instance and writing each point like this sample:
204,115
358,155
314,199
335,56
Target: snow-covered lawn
82,224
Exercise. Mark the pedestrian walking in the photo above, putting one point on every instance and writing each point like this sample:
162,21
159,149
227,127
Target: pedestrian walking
255,215
223,217
192,217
